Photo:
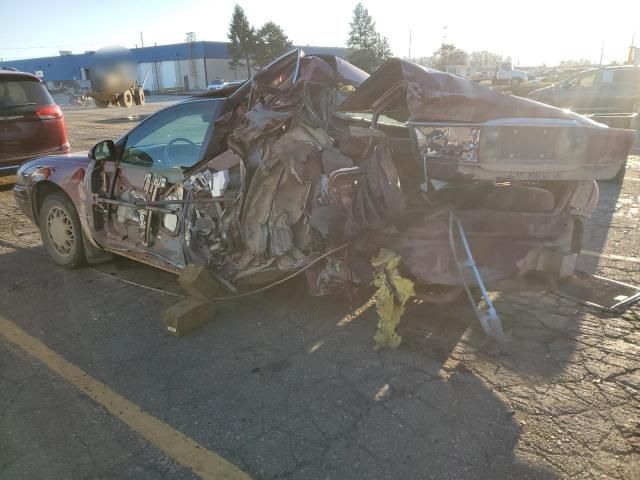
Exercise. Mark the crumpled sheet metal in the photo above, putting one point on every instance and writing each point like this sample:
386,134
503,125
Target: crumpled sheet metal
499,242
432,95
273,222
379,199
305,190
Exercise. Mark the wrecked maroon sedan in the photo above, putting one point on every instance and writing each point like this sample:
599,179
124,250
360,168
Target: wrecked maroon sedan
465,184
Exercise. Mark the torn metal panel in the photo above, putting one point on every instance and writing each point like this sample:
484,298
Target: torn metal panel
599,292
378,198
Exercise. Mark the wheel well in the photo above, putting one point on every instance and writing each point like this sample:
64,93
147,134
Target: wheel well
42,190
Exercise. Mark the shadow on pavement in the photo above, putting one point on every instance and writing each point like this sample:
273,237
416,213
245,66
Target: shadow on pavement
272,382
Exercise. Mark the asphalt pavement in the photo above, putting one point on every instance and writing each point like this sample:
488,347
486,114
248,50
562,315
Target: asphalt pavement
284,385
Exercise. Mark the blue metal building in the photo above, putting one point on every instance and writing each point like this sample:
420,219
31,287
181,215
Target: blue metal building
176,66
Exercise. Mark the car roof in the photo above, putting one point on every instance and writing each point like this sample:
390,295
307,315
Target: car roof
620,67
16,75
610,67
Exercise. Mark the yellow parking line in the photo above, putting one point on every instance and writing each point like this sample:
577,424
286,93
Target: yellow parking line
184,450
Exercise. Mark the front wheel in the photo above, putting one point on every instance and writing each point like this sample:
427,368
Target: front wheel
61,231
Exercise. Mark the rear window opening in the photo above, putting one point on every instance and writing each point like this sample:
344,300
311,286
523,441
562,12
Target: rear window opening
22,96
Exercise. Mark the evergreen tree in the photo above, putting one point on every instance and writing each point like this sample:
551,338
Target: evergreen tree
242,37
367,48
271,42
383,50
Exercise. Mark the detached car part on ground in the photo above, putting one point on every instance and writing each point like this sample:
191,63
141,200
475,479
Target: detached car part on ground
309,155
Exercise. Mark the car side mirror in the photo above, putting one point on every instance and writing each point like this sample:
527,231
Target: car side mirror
104,150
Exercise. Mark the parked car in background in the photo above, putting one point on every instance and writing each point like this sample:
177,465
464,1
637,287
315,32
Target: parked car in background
217,84
31,124
601,90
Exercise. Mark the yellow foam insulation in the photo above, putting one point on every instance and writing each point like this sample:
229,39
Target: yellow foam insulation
393,292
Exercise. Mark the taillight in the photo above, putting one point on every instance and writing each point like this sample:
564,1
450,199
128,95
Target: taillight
49,112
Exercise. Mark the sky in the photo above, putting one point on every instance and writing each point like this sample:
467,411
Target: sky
531,33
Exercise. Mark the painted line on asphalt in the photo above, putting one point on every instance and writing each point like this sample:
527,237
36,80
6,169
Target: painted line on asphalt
184,450
610,257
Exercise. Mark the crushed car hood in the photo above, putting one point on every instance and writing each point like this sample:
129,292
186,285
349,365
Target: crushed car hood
432,95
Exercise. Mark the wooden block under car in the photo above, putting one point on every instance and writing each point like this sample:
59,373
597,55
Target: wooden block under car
197,282
186,315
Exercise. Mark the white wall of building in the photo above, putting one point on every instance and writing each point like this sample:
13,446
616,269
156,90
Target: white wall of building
219,67
170,75
147,69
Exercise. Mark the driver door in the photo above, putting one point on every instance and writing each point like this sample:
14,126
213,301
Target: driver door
153,158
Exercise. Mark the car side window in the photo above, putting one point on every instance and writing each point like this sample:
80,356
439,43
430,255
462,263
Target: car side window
172,138
607,77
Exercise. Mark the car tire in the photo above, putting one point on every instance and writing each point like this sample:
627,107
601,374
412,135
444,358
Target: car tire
125,99
515,82
61,231
101,103
139,98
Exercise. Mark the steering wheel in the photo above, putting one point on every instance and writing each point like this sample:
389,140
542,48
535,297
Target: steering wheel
137,156
167,148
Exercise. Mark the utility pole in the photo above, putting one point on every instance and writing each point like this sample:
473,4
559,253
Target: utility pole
444,41
601,53
141,40
409,45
